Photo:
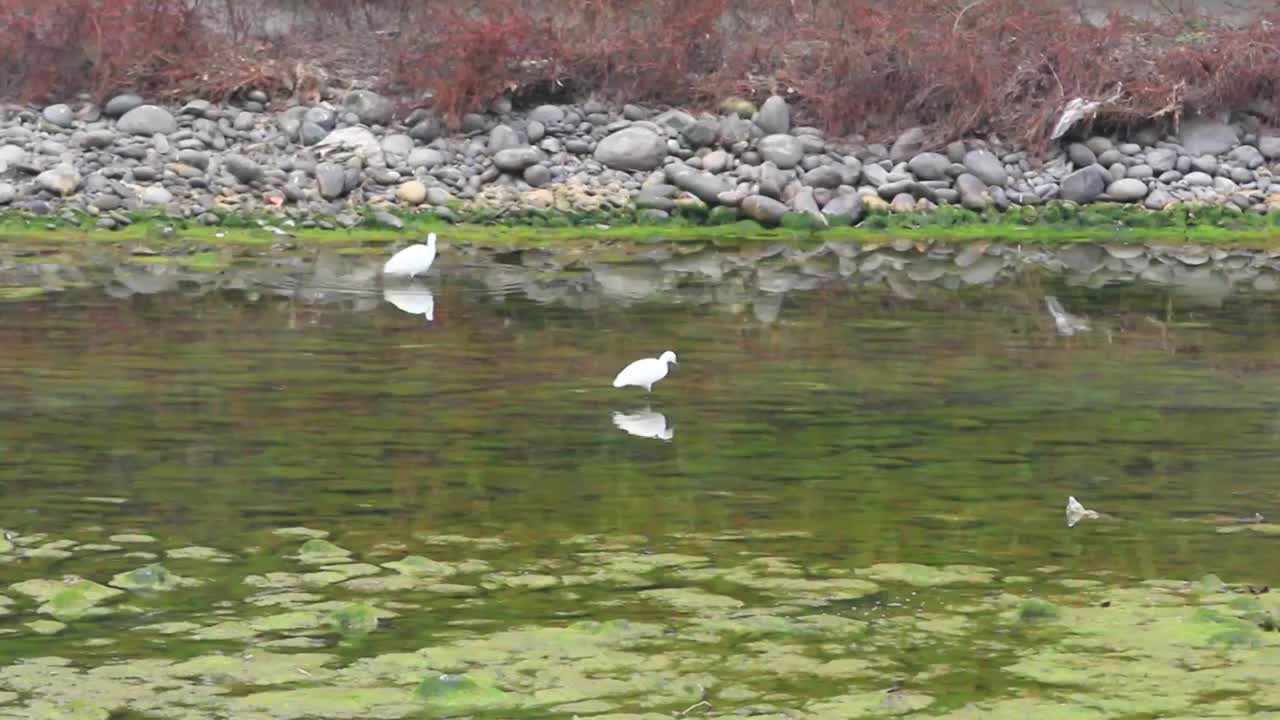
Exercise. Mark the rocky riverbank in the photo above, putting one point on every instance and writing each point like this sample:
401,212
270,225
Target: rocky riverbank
350,157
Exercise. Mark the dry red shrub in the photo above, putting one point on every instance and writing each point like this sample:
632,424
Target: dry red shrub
955,68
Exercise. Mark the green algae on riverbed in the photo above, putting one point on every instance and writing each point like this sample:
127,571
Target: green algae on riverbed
1140,650
1054,223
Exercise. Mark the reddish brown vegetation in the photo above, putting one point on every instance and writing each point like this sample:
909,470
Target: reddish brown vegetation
990,66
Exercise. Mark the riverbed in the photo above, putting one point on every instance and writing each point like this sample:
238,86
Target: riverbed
265,482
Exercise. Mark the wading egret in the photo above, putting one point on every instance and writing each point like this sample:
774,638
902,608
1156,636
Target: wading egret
413,260
645,372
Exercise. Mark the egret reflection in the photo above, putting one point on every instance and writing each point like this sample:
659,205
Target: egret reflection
413,299
645,424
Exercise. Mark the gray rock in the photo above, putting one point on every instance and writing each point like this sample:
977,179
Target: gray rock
654,198
703,132
7,193
1129,148
1246,155
194,158
1241,175
773,180
823,176
502,137
244,169
973,192
60,115
716,161
908,144
547,114
702,185
1158,199
61,180
370,107
785,151
311,133
1224,186
774,117
845,205
1170,177
632,148
429,129
537,175
1206,136
734,129
244,121
986,167
1269,145
929,166
1127,190
438,196
98,138
1084,185
424,158
1140,172
1162,160
332,179
1098,144
515,160
764,210
536,131
1110,157
156,195
121,104
397,144
472,123
1198,179
956,151
803,202
147,120
1207,164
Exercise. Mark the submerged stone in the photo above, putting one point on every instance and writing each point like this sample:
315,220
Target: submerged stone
256,668
460,694
321,551
150,578
354,619
198,552
928,576
419,566
67,601
691,599
301,532
131,538
354,703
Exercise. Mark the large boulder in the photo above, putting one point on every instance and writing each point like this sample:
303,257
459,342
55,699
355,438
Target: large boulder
764,210
1206,136
633,149
774,116
1084,185
785,151
370,107
702,185
986,167
147,120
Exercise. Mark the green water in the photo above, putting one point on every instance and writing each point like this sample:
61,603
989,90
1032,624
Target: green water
819,440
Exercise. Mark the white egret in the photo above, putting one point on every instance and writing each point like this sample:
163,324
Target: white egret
413,260
645,372
645,424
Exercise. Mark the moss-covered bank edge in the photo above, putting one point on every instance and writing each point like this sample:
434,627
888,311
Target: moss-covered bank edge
1053,223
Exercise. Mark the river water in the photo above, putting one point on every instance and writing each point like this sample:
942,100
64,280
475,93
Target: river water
846,500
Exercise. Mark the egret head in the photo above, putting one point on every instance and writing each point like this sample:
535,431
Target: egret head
668,357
